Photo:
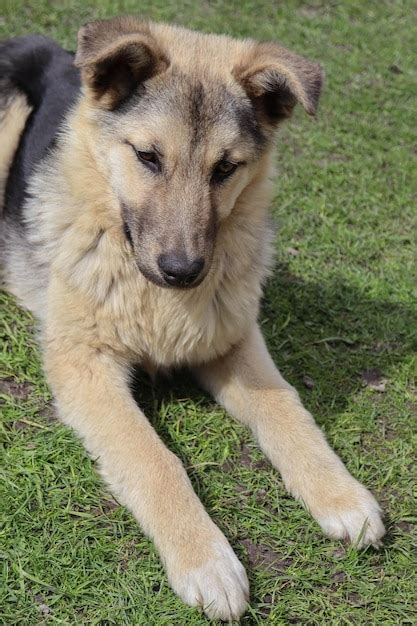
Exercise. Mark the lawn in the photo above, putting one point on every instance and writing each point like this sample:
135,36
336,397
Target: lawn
340,317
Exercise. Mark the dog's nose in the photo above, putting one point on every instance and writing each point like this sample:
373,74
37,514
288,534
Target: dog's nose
179,271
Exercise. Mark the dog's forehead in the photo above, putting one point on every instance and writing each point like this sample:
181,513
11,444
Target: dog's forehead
204,105
203,102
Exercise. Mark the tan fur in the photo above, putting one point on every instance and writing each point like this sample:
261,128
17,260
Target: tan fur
12,122
100,314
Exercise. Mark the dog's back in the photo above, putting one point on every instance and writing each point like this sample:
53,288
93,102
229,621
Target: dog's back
38,85
14,112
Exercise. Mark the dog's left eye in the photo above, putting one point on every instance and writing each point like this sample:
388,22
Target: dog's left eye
224,169
149,159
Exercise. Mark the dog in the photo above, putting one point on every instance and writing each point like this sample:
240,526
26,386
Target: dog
135,180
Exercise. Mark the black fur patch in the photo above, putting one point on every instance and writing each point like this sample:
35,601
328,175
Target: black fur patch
248,122
43,71
197,103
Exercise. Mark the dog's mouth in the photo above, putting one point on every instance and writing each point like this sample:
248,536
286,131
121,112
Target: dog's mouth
127,232
161,281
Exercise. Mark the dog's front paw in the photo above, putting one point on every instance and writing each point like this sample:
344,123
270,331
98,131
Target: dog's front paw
354,516
219,585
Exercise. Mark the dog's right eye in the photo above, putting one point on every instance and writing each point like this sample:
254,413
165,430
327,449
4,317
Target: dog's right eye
223,170
149,159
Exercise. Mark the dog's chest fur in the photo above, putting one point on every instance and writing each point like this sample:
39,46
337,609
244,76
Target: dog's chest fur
158,326
167,328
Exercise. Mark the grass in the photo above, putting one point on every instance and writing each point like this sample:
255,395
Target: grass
341,302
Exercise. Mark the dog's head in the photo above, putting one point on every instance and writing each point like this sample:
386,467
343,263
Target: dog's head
184,121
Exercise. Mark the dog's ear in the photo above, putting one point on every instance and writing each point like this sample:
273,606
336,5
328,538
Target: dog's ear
276,79
115,56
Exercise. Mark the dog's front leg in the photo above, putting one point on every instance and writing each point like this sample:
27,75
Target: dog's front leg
91,389
247,383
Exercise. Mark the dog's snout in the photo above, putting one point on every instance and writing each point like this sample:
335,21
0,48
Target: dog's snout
179,271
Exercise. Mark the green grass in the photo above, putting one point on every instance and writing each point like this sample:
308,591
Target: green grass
342,301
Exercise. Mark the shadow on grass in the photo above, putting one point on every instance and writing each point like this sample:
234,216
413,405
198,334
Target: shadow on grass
330,333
